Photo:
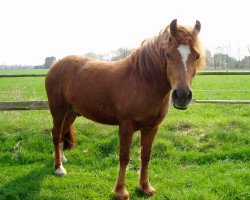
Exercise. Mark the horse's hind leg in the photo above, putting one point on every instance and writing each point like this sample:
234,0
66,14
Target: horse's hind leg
68,137
57,137
58,109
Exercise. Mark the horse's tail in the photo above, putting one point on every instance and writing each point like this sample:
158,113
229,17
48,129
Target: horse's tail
69,139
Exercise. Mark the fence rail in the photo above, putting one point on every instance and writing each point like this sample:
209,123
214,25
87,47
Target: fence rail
23,105
222,101
200,73
43,105
224,73
21,75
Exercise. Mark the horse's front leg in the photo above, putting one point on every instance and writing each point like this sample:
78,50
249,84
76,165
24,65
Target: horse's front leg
147,137
125,137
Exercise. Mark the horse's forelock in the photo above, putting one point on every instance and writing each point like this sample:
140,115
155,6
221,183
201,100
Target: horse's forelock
185,36
146,60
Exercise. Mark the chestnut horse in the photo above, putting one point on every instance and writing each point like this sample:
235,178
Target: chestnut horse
133,93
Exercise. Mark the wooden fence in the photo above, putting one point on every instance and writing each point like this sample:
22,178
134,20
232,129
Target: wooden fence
23,105
43,105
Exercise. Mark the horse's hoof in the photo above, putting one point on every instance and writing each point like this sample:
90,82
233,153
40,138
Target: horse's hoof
122,194
61,171
147,189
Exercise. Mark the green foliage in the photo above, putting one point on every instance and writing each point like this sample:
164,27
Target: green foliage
200,153
48,62
121,53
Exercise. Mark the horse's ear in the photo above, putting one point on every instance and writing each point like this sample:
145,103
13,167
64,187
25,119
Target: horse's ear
197,28
173,27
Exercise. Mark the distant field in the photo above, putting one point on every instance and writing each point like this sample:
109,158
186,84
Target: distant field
225,69
200,153
28,71
222,87
17,89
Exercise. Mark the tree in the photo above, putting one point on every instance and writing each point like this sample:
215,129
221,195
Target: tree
248,49
94,55
48,62
220,59
228,58
209,59
244,63
121,53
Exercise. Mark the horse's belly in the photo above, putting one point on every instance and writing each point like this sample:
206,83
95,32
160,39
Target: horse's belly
98,112
100,118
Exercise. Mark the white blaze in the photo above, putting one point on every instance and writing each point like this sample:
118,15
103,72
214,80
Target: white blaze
184,50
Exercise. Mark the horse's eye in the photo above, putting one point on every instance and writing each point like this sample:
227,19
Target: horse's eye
197,57
167,55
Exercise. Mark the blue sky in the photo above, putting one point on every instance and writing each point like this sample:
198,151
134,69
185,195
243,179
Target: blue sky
34,29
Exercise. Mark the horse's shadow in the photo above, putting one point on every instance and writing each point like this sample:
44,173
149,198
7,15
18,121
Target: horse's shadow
140,194
29,186
31,182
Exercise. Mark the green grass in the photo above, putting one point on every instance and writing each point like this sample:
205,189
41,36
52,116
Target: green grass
200,153
18,89
25,71
242,69
234,87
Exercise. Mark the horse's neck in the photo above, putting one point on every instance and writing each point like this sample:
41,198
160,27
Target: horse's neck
148,62
148,66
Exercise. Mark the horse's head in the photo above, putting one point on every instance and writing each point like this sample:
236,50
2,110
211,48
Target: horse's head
184,57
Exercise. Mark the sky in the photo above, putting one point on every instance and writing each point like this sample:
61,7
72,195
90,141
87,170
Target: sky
31,30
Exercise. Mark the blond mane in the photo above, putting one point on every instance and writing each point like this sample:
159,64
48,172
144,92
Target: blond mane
149,61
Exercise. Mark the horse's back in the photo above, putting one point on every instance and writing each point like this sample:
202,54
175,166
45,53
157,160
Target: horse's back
65,66
62,71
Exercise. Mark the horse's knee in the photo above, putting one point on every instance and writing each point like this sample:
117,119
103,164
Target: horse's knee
145,163
124,161
145,159
56,139
56,133
124,158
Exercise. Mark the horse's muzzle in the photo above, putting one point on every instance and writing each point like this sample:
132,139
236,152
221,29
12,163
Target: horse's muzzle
181,98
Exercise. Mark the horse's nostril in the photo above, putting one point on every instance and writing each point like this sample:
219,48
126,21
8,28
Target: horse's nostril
182,94
190,95
174,94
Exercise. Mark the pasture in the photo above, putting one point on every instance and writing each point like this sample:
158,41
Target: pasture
200,153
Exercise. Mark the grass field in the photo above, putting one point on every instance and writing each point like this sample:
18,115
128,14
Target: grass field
25,71
200,153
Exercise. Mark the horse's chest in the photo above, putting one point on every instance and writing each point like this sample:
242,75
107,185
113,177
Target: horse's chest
150,116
